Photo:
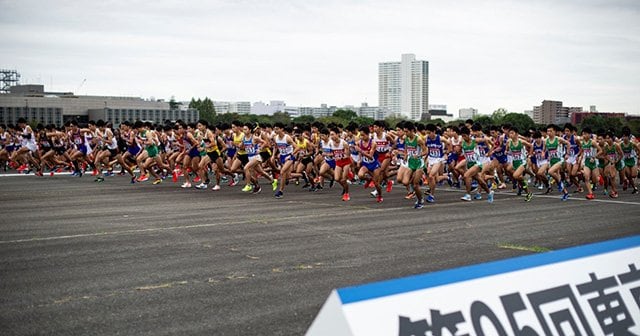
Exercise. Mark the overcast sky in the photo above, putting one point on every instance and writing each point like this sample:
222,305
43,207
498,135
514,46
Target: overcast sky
482,54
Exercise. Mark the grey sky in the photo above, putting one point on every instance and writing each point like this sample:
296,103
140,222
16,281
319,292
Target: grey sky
482,54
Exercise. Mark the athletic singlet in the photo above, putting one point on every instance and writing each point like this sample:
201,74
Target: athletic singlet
412,148
483,149
352,145
366,148
303,146
435,147
553,149
470,152
627,151
250,148
399,146
338,150
237,140
326,151
573,145
212,147
588,150
612,154
284,147
517,151
382,145
538,151
501,144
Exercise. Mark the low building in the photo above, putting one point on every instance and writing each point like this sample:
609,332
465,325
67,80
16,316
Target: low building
36,105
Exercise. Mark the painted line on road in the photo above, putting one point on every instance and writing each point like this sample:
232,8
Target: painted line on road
553,197
172,228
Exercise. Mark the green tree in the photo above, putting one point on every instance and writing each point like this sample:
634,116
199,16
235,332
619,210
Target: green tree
483,120
392,121
346,115
282,117
498,115
522,121
304,119
205,108
332,119
364,121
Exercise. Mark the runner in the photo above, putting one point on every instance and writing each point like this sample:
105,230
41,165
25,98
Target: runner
473,166
589,151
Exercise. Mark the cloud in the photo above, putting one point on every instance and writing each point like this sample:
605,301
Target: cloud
485,54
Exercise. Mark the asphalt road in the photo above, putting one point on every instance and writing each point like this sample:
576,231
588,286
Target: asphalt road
82,258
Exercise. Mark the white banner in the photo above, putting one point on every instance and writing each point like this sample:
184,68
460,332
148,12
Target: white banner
587,290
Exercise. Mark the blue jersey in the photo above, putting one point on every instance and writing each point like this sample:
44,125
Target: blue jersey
539,153
249,147
435,147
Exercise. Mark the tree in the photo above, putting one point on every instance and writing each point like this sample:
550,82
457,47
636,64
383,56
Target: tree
392,121
483,120
498,115
205,108
346,115
304,119
522,121
282,117
364,121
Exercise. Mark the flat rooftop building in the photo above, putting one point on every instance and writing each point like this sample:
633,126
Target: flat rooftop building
33,103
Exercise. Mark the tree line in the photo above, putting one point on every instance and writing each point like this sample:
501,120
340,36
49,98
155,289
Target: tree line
345,116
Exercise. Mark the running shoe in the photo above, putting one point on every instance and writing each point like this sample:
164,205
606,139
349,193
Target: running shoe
109,173
332,183
477,196
379,199
590,196
143,178
528,197
256,189
202,186
466,197
197,179
410,195
186,185
174,176
502,186
38,173
613,194
99,179
389,186
216,187
565,196
133,180
247,188
345,197
490,196
274,184
94,172
158,181
374,193
279,194
605,192
418,205
560,186
430,198
635,191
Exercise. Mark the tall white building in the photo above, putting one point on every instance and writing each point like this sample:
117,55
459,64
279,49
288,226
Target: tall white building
403,87
467,113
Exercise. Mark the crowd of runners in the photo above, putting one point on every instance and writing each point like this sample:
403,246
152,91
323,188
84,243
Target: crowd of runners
415,157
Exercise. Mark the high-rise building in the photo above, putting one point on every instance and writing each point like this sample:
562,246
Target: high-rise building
467,113
403,87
